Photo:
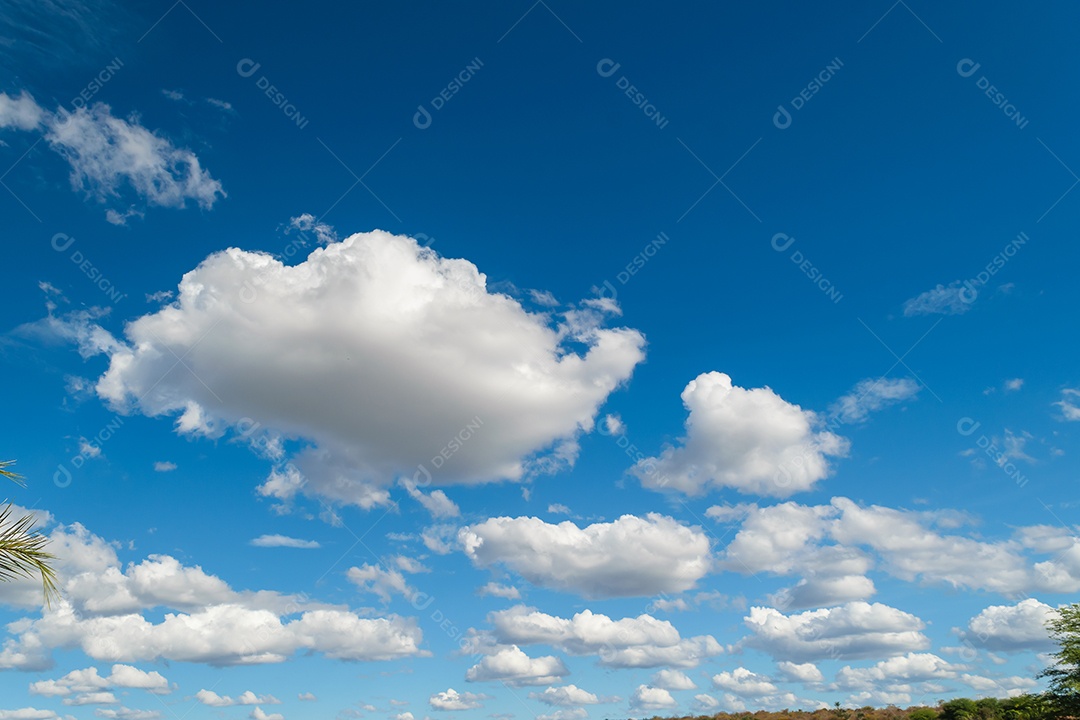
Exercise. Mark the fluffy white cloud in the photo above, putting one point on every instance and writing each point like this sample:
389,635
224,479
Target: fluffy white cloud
259,714
451,699
800,672
887,674
1069,404
211,698
88,681
436,502
672,680
283,541
643,641
21,113
102,614
852,631
871,395
565,696
651,698
1012,627
27,713
107,154
469,387
94,698
125,713
834,546
741,681
512,666
165,466
940,300
629,556
494,589
379,581
751,440
308,223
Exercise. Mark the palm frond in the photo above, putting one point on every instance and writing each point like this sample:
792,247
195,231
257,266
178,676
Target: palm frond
10,475
23,554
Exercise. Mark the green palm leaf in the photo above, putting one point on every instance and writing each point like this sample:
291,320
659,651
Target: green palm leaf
22,551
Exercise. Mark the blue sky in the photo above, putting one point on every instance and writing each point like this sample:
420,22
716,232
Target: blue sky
405,361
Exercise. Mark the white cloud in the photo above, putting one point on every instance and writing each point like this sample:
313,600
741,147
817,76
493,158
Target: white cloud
267,541
750,440
451,699
259,714
88,681
941,300
672,680
742,682
211,698
512,666
308,223
651,698
125,713
852,631
1070,406
494,589
629,556
566,696
1014,384
871,395
800,672
94,698
164,466
1011,628
379,581
470,386
887,674
27,713
437,503
306,697
565,714
22,112
559,509
202,619
643,641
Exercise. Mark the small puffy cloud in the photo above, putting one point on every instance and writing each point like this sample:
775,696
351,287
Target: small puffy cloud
512,666
800,672
471,386
672,680
308,223
211,698
1069,404
21,113
306,697
1013,384
741,681
259,714
106,152
165,466
1011,628
126,713
651,698
643,641
871,395
887,674
494,589
952,299
559,509
627,557
565,696
27,713
266,541
751,440
852,631
451,699
379,581
436,502
94,698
